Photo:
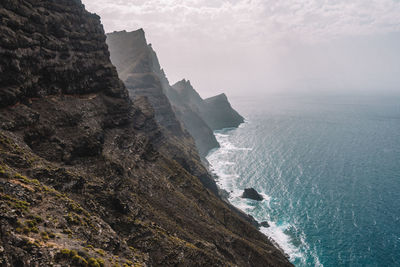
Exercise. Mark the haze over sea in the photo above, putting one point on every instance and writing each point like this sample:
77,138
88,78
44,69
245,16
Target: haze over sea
329,170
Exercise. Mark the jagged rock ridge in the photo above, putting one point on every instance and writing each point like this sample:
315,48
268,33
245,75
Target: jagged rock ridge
216,111
138,66
133,56
85,176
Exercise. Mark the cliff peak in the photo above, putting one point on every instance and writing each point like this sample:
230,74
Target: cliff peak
221,96
182,83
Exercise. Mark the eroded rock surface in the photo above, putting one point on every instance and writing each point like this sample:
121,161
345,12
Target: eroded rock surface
216,111
88,177
251,193
136,61
140,70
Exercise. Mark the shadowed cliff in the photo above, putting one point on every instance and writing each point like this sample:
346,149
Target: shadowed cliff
216,111
133,57
89,177
139,68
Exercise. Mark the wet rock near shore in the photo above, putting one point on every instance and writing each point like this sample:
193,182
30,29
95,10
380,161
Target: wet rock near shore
251,193
264,224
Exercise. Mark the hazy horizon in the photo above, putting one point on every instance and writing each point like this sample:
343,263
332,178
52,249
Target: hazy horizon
242,46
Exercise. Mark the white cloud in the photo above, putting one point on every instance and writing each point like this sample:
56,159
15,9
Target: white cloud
258,44
261,20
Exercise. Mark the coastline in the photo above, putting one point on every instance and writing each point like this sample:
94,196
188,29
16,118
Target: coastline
90,176
225,194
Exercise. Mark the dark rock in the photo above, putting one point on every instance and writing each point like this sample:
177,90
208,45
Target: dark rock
85,172
264,224
251,193
216,111
219,113
26,72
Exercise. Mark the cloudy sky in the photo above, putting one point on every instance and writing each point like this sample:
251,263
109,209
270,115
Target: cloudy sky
266,45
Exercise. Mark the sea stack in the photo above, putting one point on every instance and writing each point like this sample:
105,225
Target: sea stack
251,193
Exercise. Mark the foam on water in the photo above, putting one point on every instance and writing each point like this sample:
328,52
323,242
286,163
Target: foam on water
277,233
226,179
329,173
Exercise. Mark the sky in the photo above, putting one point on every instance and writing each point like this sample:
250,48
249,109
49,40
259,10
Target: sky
267,46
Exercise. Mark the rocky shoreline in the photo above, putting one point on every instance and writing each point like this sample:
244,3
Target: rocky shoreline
214,113
249,193
90,176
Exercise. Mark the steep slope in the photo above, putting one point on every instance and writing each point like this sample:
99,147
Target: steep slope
216,111
134,57
138,66
85,176
202,134
219,113
136,70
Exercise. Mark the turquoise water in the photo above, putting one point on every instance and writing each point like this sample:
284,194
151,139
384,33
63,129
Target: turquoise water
329,170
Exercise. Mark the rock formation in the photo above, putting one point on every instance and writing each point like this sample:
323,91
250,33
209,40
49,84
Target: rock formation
87,176
216,111
138,66
219,114
133,57
264,224
251,193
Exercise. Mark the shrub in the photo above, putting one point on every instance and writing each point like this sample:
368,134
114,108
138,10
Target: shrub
93,262
79,260
100,261
101,252
45,236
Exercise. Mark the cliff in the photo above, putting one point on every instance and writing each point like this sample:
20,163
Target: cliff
138,66
216,111
86,175
219,113
133,56
134,61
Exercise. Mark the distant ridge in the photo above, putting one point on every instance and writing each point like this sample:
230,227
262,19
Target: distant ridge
136,62
216,111
140,70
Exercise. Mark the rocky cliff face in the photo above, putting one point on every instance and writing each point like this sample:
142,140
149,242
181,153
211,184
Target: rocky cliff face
133,56
86,178
138,66
216,111
71,61
135,64
219,113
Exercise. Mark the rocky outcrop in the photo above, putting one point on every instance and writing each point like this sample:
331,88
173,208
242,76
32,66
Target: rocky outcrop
134,61
138,66
192,119
134,57
71,61
264,224
219,113
216,111
87,176
251,193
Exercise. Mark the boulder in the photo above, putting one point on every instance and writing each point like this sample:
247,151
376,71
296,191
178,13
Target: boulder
264,224
251,193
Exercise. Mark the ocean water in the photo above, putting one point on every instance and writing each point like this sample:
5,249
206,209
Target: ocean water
329,170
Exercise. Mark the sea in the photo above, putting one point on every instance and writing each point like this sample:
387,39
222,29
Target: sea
328,168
